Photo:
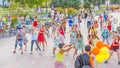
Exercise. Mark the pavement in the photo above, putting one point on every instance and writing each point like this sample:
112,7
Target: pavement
35,60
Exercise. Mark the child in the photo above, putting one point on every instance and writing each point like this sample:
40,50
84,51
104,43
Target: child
94,38
85,60
100,20
57,42
95,24
79,20
73,39
60,55
105,34
115,47
88,21
80,44
25,40
19,40
34,39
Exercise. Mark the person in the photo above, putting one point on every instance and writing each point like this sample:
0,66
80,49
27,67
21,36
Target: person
85,15
104,16
53,28
25,40
19,25
60,56
105,34
57,41
27,21
100,20
61,30
64,24
115,47
41,37
75,21
39,10
70,20
79,19
88,21
80,44
109,26
9,22
95,24
112,23
94,38
35,23
1,27
84,60
34,39
19,40
73,38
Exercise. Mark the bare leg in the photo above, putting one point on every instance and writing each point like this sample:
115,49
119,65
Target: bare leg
43,46
111,52
75,53
25,47
45,42
118,54
54,49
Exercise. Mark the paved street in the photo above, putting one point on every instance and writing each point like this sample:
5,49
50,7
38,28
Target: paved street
9,60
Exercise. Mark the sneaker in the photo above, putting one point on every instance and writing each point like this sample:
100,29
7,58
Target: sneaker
53,55
30,53
118,62
14,52
106,61
40,52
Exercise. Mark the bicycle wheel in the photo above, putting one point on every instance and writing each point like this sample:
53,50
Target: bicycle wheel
115,21
118,29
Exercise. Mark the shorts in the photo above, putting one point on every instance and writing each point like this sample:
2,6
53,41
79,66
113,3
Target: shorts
19,41
25,40
59,64
88,24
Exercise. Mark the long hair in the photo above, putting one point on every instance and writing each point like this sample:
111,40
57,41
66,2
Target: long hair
79,34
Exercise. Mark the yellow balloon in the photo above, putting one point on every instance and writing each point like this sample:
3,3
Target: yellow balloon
99,58
104,51
106,56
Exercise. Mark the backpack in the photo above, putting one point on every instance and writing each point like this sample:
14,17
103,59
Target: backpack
82,61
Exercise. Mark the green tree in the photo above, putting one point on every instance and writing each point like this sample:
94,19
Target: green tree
30,3
66,4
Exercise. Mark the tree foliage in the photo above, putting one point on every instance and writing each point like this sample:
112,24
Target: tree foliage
31,3
66,4
86,4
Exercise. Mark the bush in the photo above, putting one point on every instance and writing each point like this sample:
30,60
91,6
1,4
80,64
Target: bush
71,10
86,5
60,9
14,21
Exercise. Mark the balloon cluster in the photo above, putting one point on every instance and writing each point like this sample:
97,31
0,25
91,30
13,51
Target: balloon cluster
101,51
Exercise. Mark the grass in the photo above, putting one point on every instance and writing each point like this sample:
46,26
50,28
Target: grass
99,10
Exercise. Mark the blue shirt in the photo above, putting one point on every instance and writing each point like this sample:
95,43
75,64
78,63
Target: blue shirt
34,36
105,33
27,22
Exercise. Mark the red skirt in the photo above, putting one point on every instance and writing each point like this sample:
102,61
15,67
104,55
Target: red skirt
114,48
109,27
35,23
41,38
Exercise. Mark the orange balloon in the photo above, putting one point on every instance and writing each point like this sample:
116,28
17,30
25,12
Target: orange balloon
106,45
95,51
99,44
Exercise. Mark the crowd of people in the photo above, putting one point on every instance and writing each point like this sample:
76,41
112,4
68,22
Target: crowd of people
58,25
